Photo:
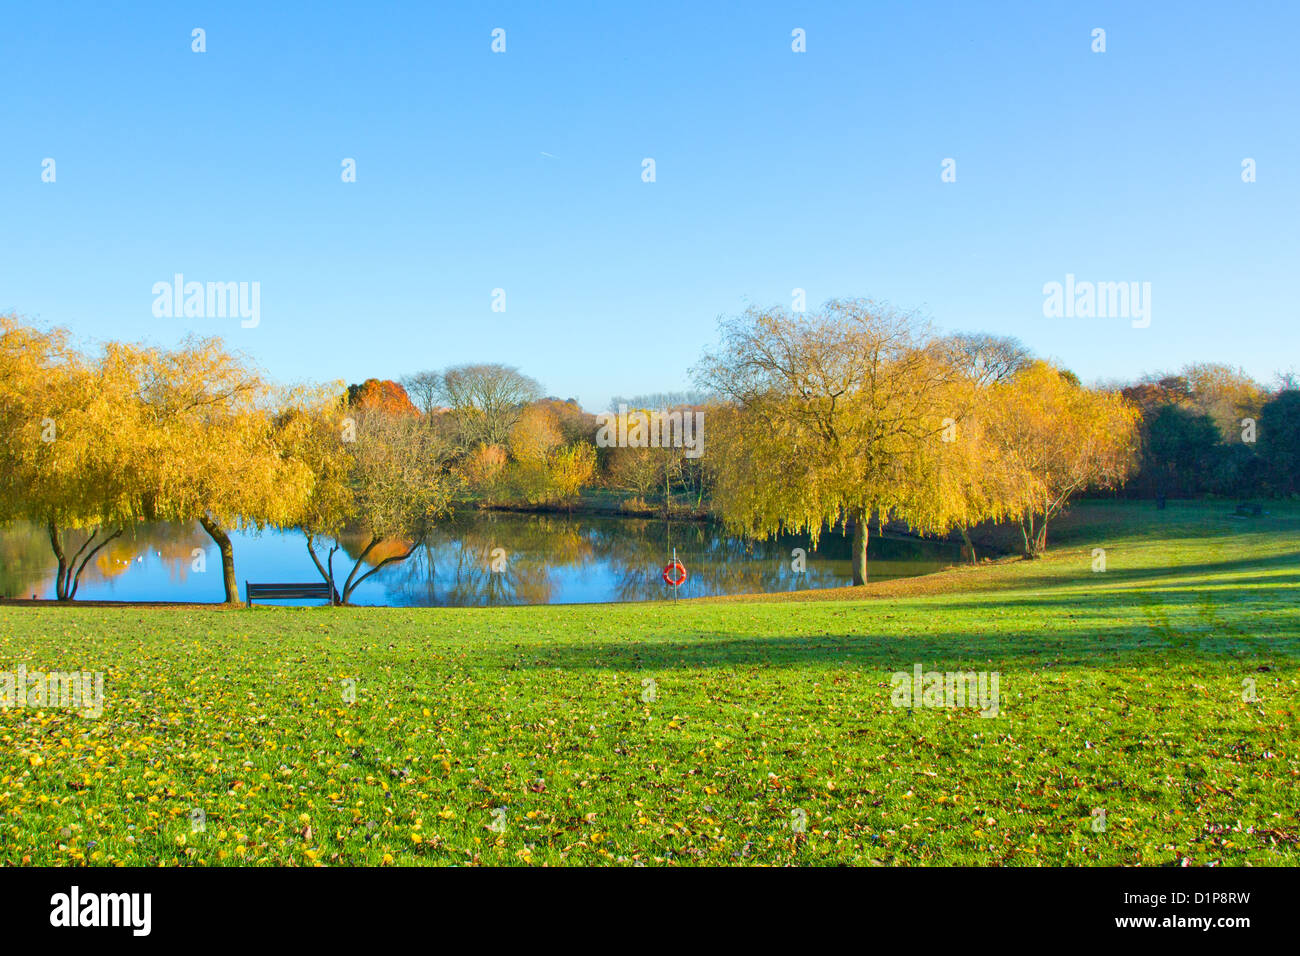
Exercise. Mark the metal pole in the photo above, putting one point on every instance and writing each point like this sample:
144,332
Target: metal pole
674,573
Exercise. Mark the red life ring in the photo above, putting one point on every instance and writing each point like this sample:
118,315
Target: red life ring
675,574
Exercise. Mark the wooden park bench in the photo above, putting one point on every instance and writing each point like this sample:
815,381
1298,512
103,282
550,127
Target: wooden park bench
282,592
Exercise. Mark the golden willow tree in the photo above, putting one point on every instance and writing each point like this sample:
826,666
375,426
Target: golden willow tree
211,445
378,477
311,428
832,417
571,468
544,468
971,473
1054,438
70,454
972,477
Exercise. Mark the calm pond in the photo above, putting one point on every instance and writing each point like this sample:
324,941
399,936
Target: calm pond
544,559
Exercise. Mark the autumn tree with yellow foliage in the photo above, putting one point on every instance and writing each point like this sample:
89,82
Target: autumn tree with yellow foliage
211,446
855,412
1054,438
136,433
379,477
830,417
71,459
570,469
532,438
971,476
544,467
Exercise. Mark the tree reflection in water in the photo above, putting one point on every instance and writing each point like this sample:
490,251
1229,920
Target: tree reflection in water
587,558
27,563
547,559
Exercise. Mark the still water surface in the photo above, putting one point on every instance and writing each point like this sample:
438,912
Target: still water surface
548,559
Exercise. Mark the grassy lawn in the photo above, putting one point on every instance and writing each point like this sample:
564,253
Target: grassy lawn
1120,691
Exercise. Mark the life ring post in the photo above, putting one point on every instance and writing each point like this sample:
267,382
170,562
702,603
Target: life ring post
674,574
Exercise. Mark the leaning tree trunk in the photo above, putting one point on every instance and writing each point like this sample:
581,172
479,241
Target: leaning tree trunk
353,581
218,534
859,549
326,570
970,548
61,576
68,577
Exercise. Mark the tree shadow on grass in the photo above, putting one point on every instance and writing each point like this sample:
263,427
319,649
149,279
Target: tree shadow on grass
1085,575
1258,595
1133,645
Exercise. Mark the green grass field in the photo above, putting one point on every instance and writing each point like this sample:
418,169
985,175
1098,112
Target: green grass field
512,736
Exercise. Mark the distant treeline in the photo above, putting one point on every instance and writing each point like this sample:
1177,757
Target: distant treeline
1211,429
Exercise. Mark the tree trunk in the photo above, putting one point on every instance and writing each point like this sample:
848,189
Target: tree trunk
60,577
68,577
356,566
970,548
353,582
311,549
1027,532
334,593
325,572
218,534
859,549
1035,537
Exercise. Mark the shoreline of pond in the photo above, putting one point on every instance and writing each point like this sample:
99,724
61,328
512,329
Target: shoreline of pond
989,539
591,509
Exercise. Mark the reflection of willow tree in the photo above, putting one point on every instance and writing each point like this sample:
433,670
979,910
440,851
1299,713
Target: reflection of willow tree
717,563
522,578
114,560
454,565
24,555
173,543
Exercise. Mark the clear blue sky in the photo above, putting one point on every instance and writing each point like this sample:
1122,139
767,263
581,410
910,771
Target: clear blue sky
775,170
